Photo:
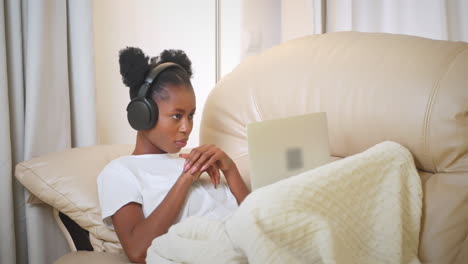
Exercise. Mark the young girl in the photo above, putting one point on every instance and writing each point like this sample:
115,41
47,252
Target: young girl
143,194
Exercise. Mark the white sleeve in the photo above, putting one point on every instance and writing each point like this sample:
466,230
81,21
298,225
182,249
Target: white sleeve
117,187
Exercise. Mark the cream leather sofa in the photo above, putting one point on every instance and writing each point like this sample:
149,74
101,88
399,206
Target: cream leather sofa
374,87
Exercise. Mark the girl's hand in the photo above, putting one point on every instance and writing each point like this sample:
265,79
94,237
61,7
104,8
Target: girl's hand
192,176
215,177
208,158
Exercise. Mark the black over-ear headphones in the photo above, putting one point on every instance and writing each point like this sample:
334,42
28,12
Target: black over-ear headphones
142,111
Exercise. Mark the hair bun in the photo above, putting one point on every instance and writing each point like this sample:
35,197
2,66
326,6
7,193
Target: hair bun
133,66
176,56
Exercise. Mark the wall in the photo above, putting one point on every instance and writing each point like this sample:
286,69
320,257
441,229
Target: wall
261,26
154,25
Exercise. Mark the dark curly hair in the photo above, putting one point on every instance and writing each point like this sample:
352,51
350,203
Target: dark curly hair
135,65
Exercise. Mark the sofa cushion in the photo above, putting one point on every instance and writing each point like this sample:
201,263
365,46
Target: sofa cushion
67,181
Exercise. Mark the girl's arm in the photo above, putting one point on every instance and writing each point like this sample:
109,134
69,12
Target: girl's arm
136,233
236,184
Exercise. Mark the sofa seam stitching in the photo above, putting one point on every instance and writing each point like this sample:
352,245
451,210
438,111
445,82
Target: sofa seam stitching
433,95
460,249
254,101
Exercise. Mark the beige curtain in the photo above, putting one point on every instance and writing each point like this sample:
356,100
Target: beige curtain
266,23
47,104
12,225
436,19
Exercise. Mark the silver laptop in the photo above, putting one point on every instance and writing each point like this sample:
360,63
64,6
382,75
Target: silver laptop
284,147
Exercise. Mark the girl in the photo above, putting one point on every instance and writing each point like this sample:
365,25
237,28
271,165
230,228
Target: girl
143,194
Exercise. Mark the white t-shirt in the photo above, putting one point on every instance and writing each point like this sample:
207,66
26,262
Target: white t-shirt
146,179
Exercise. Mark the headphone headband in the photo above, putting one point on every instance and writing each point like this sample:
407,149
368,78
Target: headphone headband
154,73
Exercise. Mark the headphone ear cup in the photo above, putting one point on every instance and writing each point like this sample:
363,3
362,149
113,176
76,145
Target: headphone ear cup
142,113
154,112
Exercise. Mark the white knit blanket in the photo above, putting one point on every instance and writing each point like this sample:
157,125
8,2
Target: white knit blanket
362,209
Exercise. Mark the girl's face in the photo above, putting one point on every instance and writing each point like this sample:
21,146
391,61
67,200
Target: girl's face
175,122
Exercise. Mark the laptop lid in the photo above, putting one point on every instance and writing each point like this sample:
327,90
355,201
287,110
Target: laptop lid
284,147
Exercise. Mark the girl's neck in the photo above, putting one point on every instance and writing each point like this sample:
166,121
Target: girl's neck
144,146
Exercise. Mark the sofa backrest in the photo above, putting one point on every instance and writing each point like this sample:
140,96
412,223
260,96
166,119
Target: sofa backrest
374,87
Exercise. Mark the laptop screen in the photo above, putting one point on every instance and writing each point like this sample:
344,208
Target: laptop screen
284,147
